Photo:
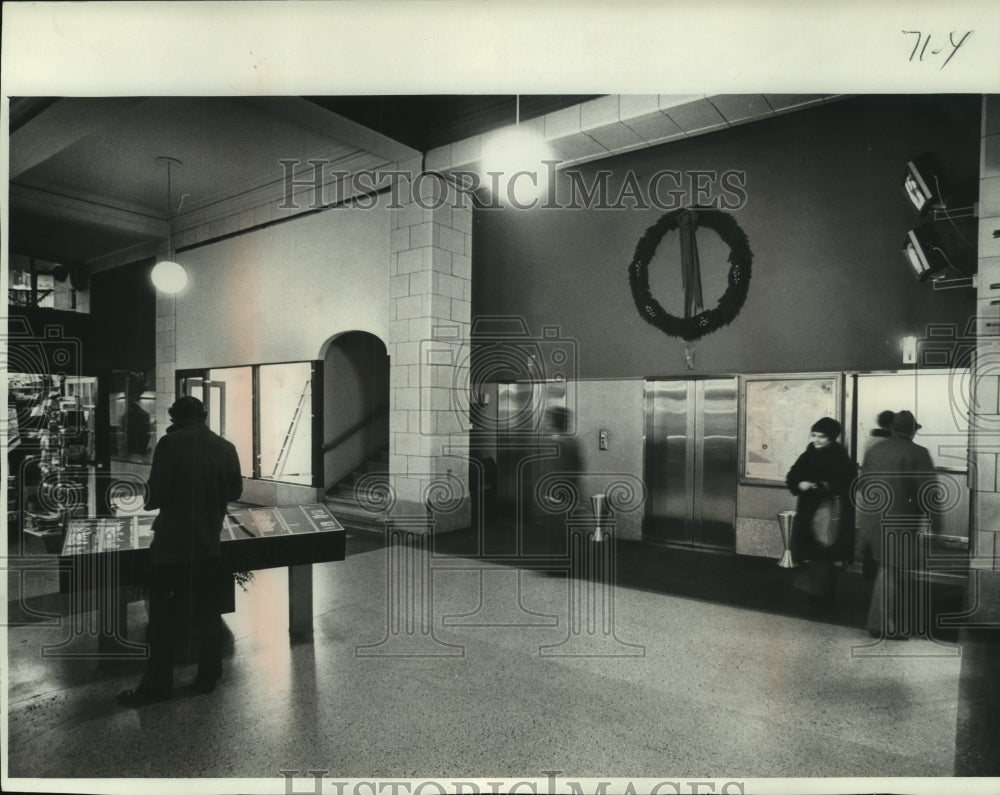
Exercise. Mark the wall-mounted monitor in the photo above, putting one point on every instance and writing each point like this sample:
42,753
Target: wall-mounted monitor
919,254
922,183
938,249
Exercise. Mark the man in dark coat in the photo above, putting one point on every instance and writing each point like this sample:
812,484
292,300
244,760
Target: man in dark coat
194,476
903,472
551,485
136,425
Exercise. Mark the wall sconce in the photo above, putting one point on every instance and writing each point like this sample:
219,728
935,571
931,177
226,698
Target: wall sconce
909,350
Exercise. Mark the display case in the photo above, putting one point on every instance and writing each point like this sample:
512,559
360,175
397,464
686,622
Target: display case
252,538
53,419
107,555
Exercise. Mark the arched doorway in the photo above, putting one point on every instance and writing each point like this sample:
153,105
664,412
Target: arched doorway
355,409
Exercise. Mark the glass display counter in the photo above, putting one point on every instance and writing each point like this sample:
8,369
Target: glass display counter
106,555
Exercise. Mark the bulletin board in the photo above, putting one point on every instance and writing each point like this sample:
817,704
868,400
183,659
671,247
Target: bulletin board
939,399
776,414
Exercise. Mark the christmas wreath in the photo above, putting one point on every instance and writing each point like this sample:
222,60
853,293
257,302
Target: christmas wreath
740,259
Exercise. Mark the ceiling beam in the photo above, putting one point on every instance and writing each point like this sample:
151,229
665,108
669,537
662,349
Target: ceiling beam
302,112
68,208
61,125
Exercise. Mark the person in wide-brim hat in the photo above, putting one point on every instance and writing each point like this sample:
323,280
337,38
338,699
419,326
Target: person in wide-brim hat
902,471
905,424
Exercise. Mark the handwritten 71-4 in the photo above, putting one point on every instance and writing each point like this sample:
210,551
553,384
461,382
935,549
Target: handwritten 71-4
925,41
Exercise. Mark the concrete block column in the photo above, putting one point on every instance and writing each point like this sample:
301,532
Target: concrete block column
166,358
985,441
430,305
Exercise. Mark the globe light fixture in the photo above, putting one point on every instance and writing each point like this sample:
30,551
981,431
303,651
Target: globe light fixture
168,276
516,164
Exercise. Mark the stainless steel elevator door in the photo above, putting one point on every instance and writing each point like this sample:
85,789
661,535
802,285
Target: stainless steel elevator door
520,424
691,462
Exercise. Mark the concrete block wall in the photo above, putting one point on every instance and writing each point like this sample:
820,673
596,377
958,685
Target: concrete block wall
430,305
985,532
166,358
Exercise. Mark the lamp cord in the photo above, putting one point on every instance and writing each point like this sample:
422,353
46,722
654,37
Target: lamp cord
946,259
170,206
944,211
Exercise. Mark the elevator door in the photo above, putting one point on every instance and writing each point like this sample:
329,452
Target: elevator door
521,428
691,462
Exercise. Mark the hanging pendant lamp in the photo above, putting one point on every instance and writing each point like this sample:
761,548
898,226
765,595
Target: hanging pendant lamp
515,164
169,276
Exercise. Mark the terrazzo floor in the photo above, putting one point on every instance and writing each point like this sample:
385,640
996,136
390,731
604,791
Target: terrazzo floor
505,684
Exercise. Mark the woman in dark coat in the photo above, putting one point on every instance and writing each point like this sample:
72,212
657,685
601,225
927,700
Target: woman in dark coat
823,471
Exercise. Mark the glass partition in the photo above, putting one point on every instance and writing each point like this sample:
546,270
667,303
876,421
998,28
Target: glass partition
132,417
228,398
266,411
286,422
51,458
39,283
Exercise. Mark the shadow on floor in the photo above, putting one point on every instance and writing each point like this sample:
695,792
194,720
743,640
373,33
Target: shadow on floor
978,727
969,607
742,581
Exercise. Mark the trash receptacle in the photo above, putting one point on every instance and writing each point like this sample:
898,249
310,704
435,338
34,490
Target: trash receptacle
785,521
598,502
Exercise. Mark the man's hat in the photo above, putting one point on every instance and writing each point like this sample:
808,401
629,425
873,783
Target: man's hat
187,408
905,422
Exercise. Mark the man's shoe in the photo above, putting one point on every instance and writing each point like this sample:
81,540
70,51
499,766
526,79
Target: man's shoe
142,695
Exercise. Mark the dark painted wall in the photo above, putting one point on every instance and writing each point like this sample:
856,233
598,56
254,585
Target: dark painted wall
123,305
825,216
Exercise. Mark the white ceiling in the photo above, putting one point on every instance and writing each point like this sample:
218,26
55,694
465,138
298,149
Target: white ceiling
85,180
86,185
118,162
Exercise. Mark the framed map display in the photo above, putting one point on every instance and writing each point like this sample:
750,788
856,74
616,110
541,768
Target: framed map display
776,413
